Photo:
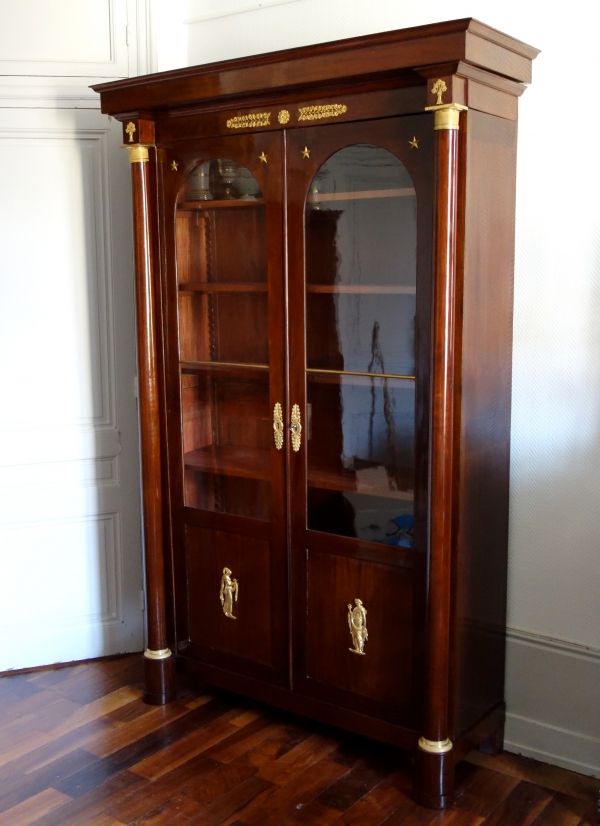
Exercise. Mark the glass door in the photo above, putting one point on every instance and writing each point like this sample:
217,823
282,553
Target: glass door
224,341
362,215
226,389
361,244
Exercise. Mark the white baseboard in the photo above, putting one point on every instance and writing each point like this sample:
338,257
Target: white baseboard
557,746
553,701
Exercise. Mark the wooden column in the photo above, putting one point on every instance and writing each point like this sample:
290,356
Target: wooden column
158,659
434,769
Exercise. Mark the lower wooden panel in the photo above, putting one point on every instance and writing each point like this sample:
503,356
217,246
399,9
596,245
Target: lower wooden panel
384,672
250,635
326,712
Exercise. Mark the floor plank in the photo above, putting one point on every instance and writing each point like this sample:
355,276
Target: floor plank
521,807
79,747
542,774
33,808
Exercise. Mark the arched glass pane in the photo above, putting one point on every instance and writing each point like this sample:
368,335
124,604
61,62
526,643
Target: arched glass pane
223,340
361,254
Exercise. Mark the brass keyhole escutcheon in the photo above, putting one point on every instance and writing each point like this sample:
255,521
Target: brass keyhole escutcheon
296,428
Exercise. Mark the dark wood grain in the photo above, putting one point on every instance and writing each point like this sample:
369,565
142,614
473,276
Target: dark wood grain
436,718
159,673
434,772
482,540
459,40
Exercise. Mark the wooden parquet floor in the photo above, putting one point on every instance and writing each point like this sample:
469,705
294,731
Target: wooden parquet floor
78,747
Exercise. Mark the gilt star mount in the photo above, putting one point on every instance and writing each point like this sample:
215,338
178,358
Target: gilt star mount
414,143
262,157
174,166
306,152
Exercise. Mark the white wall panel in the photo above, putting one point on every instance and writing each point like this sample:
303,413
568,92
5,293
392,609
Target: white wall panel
64,37
17,478
81,32
71,586
70,544
71,571
58,268
26,92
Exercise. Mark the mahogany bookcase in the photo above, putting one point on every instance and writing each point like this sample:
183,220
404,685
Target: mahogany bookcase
324,273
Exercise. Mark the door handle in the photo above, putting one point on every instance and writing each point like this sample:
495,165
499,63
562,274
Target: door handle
296,428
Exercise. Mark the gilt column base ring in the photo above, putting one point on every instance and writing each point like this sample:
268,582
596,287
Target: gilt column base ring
435,746
161,654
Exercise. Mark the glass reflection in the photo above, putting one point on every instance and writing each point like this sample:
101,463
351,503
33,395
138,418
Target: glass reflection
361,242
361,457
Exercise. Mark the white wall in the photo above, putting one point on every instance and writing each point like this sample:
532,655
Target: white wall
554,596
70,535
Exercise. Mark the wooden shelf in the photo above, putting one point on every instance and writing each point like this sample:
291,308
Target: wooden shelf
361,481
363,195
252,463
360,289
243,462
208,287
194,206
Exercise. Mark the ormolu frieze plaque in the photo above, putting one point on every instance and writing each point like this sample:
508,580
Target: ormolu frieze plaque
248,121
330,110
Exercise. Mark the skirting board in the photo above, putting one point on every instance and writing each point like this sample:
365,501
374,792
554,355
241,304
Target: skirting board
553,705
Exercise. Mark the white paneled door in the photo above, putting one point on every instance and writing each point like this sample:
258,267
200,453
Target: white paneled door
70,529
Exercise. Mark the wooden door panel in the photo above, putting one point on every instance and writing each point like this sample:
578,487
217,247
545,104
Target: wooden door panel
359,236
384,672
223,640
223,289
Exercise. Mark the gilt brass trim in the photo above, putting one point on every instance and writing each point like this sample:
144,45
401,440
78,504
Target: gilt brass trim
184,364
438,88
352,373
435,746
248,121
161,654
330,110
138,153
447,115
229,593
278,426
357,623
296,428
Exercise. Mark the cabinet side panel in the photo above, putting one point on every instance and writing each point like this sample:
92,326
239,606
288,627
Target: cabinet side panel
481,558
